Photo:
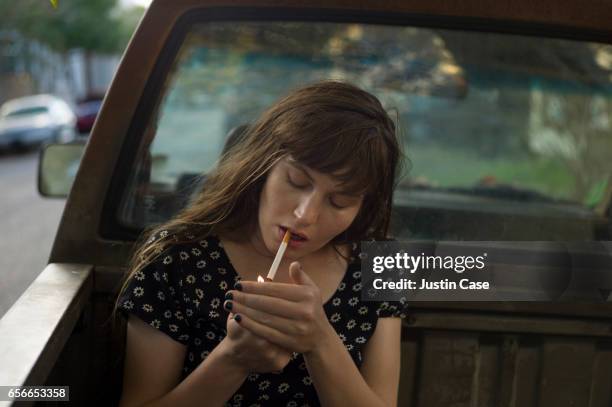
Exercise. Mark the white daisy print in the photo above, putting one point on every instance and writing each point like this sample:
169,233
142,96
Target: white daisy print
292,403
191,279
283,387
210,335
173,327
178,315
336,301
167,259
223,285
366,326
204,354
357,287
184,337
197,341
213,314
147,308
184,255
195,251
342,337
342,286
165,277
201,264
349,347
156,276
215,303
353,301
214,255
360,339
204,243
191,357
222,270
307,380
138,291
357,274
168,314
189,312
156,323
299,395
128,304
139,275
264,385
252,377
207,278
196,302
335,317
363,310
351,324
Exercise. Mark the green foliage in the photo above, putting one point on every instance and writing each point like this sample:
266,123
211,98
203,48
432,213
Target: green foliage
95,25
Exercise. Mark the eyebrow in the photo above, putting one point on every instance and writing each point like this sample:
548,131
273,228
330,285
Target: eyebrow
305,171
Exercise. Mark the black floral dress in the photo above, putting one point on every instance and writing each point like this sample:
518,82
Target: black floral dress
182,292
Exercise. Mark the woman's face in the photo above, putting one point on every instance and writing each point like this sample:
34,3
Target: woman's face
309,203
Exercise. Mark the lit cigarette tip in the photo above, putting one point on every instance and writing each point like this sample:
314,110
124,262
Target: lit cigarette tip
260,279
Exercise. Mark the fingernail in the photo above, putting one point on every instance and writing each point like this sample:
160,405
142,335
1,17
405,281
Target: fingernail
229,296
238,286
237,317
227,305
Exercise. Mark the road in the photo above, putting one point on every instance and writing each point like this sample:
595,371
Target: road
27,224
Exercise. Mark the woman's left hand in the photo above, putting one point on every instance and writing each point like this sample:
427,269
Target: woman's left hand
289,315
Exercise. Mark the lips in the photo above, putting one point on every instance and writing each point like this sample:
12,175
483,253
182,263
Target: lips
293,233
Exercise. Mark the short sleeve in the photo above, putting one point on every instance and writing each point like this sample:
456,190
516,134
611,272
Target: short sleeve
154,294
393,309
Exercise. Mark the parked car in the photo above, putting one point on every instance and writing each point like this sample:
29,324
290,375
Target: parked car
32,120
86,113
505,110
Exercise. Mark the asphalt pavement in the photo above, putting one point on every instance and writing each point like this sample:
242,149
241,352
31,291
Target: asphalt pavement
27,225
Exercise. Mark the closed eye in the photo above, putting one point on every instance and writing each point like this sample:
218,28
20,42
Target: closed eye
293,184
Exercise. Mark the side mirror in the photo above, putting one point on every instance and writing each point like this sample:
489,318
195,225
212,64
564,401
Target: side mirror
57,168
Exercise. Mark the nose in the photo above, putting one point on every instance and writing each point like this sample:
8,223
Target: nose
308,209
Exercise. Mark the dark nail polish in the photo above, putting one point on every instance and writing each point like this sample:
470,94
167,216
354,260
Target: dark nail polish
229,296
227,305
238,286
237,317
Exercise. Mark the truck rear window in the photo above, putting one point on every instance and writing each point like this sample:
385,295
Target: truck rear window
496,126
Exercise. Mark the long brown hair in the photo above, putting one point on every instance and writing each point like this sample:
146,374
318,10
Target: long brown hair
329,126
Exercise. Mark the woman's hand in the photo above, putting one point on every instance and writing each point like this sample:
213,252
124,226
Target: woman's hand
251,353
289,315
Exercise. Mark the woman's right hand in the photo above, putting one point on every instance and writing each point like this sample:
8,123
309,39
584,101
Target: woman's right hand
252,353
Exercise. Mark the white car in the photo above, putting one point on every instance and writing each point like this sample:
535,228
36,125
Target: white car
33,120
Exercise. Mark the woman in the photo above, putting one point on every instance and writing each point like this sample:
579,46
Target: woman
322,162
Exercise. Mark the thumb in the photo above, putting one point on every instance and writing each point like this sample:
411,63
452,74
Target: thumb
297,274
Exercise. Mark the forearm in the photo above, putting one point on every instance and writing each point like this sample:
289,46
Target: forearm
212,383
337,378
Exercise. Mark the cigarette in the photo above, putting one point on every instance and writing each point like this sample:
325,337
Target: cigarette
278,258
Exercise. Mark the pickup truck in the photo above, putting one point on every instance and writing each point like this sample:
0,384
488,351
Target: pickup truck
505,109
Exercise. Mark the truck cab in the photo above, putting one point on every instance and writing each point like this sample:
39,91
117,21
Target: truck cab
504,110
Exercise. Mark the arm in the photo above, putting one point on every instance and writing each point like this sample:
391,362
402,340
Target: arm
153,366
339,382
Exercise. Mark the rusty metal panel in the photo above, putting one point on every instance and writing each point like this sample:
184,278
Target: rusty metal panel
567,366
601,386
467,369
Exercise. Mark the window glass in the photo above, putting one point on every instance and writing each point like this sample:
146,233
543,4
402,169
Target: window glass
510,130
